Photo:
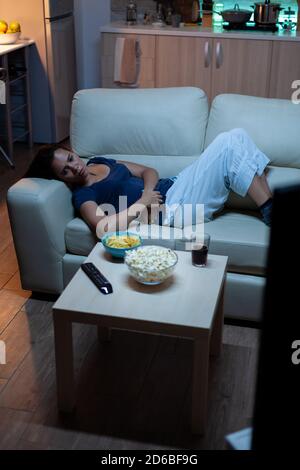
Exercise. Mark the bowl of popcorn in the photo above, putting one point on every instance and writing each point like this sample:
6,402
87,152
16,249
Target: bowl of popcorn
150,264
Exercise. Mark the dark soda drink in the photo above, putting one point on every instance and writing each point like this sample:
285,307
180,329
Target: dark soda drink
199,256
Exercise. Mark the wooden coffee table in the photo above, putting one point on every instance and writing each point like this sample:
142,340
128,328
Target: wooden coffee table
189,305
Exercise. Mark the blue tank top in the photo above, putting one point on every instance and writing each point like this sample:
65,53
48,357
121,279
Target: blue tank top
119,182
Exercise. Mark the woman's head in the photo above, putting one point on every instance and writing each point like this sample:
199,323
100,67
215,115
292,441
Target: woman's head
58,162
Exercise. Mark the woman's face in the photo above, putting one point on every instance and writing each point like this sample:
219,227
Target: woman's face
69,167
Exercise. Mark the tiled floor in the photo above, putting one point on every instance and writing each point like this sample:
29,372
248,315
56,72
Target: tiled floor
133,393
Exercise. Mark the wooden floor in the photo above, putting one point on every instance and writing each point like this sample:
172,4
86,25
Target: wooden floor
133,393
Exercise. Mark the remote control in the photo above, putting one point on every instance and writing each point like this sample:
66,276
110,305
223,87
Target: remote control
97,278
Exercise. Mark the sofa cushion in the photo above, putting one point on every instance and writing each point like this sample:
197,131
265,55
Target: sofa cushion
162,121
242,237
79,238
272,123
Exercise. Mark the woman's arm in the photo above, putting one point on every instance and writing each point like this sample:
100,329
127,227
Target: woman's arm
149,175
102,223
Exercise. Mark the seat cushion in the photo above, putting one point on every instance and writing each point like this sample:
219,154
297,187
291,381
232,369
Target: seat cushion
240,236
79,238
243,237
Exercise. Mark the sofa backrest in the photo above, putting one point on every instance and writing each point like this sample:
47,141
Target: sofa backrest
161,121
273,124
145,125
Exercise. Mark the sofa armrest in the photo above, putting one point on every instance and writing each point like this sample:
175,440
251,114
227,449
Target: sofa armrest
39,211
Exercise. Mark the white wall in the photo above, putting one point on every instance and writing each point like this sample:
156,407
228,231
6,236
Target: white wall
89,16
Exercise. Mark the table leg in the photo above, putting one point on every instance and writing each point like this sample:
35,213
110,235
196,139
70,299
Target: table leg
64,362
200,385
217,330
104,334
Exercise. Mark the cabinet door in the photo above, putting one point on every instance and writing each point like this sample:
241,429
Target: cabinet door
241,66
183,61
147,43
285,68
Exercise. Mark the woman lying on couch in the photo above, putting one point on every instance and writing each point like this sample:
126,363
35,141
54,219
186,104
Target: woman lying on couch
231,162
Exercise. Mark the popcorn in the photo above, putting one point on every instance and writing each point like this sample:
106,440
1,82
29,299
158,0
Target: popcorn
151,264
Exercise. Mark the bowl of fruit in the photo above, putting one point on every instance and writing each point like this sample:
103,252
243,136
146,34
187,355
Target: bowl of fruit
9,34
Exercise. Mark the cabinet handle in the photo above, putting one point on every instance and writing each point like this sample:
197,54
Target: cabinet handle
219,55
207,54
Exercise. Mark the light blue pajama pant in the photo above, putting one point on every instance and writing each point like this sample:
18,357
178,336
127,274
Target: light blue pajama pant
230,162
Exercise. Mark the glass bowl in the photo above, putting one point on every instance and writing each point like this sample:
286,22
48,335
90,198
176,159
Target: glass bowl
151,264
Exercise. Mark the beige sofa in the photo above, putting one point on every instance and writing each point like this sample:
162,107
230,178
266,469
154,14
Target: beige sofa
166,129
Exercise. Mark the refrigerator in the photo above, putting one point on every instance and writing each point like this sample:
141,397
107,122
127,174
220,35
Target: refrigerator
52,65
90,15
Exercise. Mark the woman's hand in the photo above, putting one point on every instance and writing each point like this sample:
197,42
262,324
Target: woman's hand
150,197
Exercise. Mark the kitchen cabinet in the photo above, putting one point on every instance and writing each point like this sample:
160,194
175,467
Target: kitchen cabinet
241,66
257,67
215,65
147,44
184,61
285,68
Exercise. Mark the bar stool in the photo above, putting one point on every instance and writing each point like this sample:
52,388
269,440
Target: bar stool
3,78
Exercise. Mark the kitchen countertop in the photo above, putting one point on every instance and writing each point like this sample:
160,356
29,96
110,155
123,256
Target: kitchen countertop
5,49
199,31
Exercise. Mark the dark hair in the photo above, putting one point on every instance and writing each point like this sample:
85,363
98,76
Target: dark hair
41,166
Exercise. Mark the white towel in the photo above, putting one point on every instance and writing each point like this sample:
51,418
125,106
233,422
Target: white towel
2,92
127,62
